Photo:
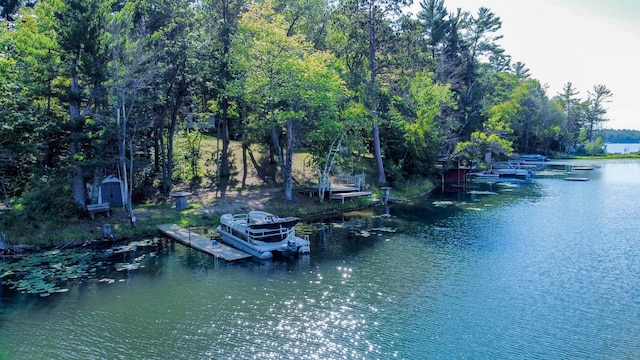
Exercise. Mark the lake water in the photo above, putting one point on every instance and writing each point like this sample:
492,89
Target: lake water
622,148
543,270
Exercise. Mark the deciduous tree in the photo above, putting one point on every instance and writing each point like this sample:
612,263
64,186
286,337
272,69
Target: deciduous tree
293,83
371,25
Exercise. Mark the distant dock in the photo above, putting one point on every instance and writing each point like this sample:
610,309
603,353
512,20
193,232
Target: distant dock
201,243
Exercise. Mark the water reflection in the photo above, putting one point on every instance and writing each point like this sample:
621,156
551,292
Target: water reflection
545,270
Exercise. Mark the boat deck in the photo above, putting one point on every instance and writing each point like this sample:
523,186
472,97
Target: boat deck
202,243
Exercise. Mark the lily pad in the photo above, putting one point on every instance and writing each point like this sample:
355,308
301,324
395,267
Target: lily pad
384,229
127,266
53,271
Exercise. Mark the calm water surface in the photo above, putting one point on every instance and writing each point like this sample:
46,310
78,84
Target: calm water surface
615,148
542,270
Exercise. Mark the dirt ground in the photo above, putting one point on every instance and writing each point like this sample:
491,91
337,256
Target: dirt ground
257,195
237,200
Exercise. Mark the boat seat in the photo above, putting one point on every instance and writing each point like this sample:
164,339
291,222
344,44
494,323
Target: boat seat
255,217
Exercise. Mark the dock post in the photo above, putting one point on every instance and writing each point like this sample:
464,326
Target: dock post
386,193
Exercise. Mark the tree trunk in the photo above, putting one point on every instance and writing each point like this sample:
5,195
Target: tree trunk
167,182
323,181
287,176
121,121
261,172
225,37
373,94
157,147
245,167
245,144
225,169
284,160
173,124
78,187
377,153
163,152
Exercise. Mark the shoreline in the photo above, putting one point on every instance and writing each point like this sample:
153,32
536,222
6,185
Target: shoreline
148,218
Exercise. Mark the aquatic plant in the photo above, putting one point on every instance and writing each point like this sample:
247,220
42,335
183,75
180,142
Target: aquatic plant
54,271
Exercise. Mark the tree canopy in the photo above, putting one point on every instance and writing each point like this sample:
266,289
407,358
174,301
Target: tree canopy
90,88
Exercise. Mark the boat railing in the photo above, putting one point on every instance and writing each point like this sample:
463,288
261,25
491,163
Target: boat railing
357,181
266,232
240,222
262,234
513,165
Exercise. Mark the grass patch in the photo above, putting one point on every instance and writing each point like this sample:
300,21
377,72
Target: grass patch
609,156
205,212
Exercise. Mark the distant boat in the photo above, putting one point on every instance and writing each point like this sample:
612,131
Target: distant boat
533,157
489,174
513,169
523,174
262,234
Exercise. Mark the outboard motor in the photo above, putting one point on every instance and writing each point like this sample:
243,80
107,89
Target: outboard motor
292,247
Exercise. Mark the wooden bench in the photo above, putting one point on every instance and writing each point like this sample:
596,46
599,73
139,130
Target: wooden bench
309,191
342,196
96,208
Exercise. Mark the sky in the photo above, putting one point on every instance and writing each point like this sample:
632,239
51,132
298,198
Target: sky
585,42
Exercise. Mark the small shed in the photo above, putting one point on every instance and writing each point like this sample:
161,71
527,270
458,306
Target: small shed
112,192
454,174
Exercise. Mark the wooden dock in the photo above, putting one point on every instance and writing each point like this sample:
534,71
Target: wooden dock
202,243
342,196
576,179
313,191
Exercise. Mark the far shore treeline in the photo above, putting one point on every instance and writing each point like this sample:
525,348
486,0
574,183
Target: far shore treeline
91,88
621,136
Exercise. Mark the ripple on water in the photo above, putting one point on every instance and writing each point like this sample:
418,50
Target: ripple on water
548,271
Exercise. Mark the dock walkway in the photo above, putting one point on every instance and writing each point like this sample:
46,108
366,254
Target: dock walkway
342,196
202,243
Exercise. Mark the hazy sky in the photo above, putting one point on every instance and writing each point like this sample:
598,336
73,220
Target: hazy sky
585,42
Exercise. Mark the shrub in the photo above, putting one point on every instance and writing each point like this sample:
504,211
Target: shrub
48,200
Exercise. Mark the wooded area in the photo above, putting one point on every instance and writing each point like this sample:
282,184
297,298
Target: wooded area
624,136
90,88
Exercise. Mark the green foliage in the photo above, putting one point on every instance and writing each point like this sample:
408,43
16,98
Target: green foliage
418,126
29,113
429,99
188,157
295,86
586,147
47,204
621,136
87,86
